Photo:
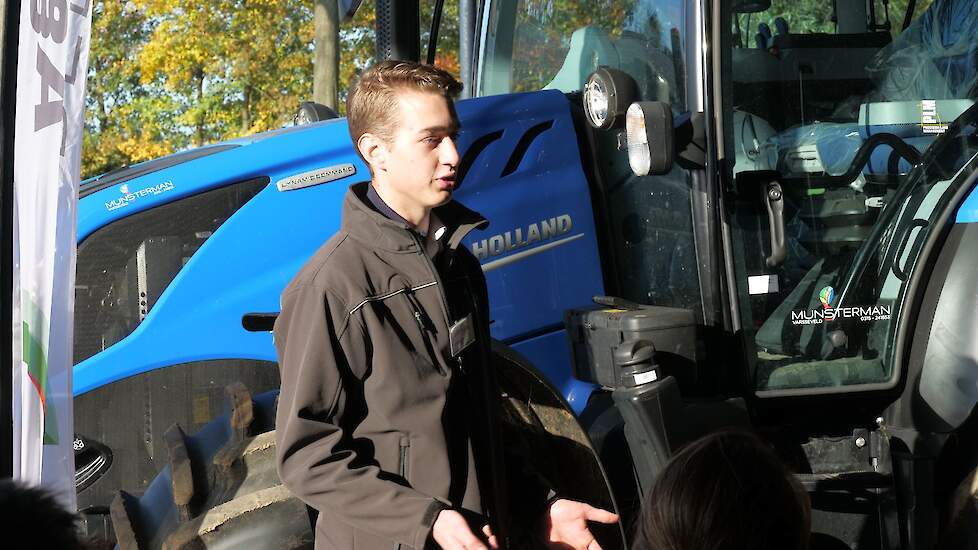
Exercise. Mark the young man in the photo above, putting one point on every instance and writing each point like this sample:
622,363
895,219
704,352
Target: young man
384,422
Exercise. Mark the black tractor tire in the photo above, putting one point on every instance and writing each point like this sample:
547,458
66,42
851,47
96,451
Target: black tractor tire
220,489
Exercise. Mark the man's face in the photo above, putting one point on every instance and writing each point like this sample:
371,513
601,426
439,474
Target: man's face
419,165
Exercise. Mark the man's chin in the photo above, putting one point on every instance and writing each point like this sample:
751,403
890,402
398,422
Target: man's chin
441,195
446,197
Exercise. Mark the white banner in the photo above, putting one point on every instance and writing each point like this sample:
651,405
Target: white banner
51,68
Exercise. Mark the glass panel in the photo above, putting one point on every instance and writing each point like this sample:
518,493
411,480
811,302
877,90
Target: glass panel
541,44
836,111
124,267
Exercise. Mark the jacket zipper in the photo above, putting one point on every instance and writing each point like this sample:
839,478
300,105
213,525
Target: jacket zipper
434,274
405,446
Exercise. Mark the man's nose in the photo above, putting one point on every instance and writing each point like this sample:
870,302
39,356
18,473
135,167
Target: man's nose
448,154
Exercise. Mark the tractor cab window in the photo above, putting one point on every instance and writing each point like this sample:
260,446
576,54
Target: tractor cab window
124,267
538,44
533,45
833,107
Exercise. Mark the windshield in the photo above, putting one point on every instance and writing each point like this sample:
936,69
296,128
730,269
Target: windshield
840,132
536,44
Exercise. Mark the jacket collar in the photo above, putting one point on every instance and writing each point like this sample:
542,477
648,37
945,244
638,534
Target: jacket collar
362,222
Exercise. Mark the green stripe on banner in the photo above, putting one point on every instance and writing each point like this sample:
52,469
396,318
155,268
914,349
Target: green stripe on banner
36,358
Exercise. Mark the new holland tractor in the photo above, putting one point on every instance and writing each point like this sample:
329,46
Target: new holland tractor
702,213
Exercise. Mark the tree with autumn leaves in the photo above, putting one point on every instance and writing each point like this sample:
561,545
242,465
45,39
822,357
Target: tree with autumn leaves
168,75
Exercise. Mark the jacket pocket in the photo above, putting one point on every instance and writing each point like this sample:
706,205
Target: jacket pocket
403,467
425,327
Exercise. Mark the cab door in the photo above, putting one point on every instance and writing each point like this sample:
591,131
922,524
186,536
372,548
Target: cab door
849,154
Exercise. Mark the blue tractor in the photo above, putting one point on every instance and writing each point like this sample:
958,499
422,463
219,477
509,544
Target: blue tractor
695,222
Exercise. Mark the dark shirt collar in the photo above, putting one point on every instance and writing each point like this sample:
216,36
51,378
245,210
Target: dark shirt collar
363,221
386,210
430,238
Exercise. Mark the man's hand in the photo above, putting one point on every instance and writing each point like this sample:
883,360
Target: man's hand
452,532
565,525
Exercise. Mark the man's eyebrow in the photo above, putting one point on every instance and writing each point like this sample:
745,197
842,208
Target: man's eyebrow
442,129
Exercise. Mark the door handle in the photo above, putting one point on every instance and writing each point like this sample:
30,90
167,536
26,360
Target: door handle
773,199
259,322
899,269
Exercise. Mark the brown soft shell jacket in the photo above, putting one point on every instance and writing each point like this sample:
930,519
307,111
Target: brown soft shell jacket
375,425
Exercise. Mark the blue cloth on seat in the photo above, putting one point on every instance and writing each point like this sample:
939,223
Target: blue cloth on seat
936,57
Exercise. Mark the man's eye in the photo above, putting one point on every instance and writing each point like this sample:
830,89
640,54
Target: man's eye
432,140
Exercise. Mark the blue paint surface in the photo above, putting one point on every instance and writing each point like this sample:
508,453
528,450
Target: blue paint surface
243,267
551,354
968,212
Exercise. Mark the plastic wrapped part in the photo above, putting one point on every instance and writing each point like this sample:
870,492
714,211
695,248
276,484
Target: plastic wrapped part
827,147
830,147
753,141
907,119
917,123
936,57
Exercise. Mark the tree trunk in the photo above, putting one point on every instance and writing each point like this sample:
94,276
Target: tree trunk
326,60
199,76
246,112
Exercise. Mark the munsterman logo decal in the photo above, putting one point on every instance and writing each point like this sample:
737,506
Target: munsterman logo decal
828,313
825,296
128,198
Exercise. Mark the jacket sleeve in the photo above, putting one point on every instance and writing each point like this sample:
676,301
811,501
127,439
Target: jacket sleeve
315,460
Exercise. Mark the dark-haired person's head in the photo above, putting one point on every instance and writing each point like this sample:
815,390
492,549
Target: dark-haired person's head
726,491
33,518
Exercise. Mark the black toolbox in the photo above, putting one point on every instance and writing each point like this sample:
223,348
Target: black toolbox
597,334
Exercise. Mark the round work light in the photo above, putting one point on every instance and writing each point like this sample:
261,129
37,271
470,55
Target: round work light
607,93
310,112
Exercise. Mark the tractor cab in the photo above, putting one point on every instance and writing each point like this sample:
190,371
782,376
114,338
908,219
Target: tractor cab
794,192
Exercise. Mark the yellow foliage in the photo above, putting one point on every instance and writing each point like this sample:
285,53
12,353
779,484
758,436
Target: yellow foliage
166,75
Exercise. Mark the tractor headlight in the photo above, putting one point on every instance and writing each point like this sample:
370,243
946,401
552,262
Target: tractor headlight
639,155
607,92
649,135
310,112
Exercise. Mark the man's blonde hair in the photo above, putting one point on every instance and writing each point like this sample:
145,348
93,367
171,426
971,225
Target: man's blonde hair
372,106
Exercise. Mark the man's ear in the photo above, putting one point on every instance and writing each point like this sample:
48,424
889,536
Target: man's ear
374,151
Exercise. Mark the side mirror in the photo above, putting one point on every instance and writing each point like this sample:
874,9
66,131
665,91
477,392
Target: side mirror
347,8
650,138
